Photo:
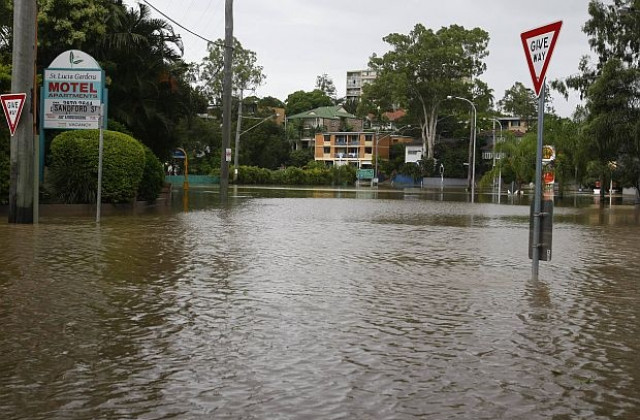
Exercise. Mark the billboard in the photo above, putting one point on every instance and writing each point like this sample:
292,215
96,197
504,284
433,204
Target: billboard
72,92
72,98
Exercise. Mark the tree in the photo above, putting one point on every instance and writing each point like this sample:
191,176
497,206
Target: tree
351,106
149,90
571,155
612,86
613,105
424,67
247,73
265,146
72,24
325,84
613,31
6,24
518,164
271,102
519,101
301,101
629,161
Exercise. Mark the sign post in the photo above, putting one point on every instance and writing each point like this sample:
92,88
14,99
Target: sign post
538,46
100,159
74,98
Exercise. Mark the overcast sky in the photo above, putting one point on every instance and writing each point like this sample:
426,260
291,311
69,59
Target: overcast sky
297,40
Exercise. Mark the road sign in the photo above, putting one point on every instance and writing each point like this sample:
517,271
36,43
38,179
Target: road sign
538,47
179,153
12,105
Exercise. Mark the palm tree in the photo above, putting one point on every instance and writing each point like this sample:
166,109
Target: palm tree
142,59
5,26
517,163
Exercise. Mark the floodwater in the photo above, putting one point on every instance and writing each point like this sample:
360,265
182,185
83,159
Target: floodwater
321,304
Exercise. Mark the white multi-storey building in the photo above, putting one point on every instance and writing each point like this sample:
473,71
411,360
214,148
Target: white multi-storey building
356,79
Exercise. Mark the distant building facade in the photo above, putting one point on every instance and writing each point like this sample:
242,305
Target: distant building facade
355,148
320,120
356,80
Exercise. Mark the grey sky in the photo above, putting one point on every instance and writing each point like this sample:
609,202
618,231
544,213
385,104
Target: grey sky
297,40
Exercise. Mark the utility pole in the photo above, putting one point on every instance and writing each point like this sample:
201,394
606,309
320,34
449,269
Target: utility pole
22,170
236,151
226,99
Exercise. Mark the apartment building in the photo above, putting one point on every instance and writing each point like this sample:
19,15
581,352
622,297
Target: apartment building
323,119
515,124
356,80
355,148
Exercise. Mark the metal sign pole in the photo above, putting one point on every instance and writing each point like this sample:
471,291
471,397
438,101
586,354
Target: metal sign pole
538,188
100,150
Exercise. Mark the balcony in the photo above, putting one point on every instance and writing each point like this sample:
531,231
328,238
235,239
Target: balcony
347,155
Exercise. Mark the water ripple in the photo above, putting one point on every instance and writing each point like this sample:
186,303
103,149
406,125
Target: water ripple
319,308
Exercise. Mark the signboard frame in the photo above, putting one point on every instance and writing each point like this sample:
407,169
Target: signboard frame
72,98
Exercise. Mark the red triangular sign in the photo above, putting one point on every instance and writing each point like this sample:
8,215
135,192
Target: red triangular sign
538,46
12,105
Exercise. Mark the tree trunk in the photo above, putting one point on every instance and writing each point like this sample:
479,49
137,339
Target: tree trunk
428,129
469,160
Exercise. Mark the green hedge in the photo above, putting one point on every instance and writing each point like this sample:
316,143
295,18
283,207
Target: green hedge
340,175
74,166
152,177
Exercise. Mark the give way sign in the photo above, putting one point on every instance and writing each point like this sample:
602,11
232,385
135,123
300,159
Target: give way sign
12,105
538,46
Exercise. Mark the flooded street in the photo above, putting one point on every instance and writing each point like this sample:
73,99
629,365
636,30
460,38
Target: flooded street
321,304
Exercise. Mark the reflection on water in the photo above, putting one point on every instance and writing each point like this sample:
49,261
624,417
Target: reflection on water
320,304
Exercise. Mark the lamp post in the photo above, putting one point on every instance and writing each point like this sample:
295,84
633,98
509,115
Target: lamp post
473,151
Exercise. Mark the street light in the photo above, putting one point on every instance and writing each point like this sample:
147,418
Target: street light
473,135
495,120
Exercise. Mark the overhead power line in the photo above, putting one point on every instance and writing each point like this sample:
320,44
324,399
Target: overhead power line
181,26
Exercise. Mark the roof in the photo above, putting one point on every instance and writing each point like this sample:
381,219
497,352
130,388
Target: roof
328,112
395,115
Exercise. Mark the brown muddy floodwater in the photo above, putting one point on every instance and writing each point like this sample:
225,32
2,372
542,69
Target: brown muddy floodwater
321,304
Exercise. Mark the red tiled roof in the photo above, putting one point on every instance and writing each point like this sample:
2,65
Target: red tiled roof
395,115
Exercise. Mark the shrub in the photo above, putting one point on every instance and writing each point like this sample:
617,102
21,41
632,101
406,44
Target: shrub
343,175
114,125
412,170
317,175
428,167
251,175
293,176
74,166
300,158
152,177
